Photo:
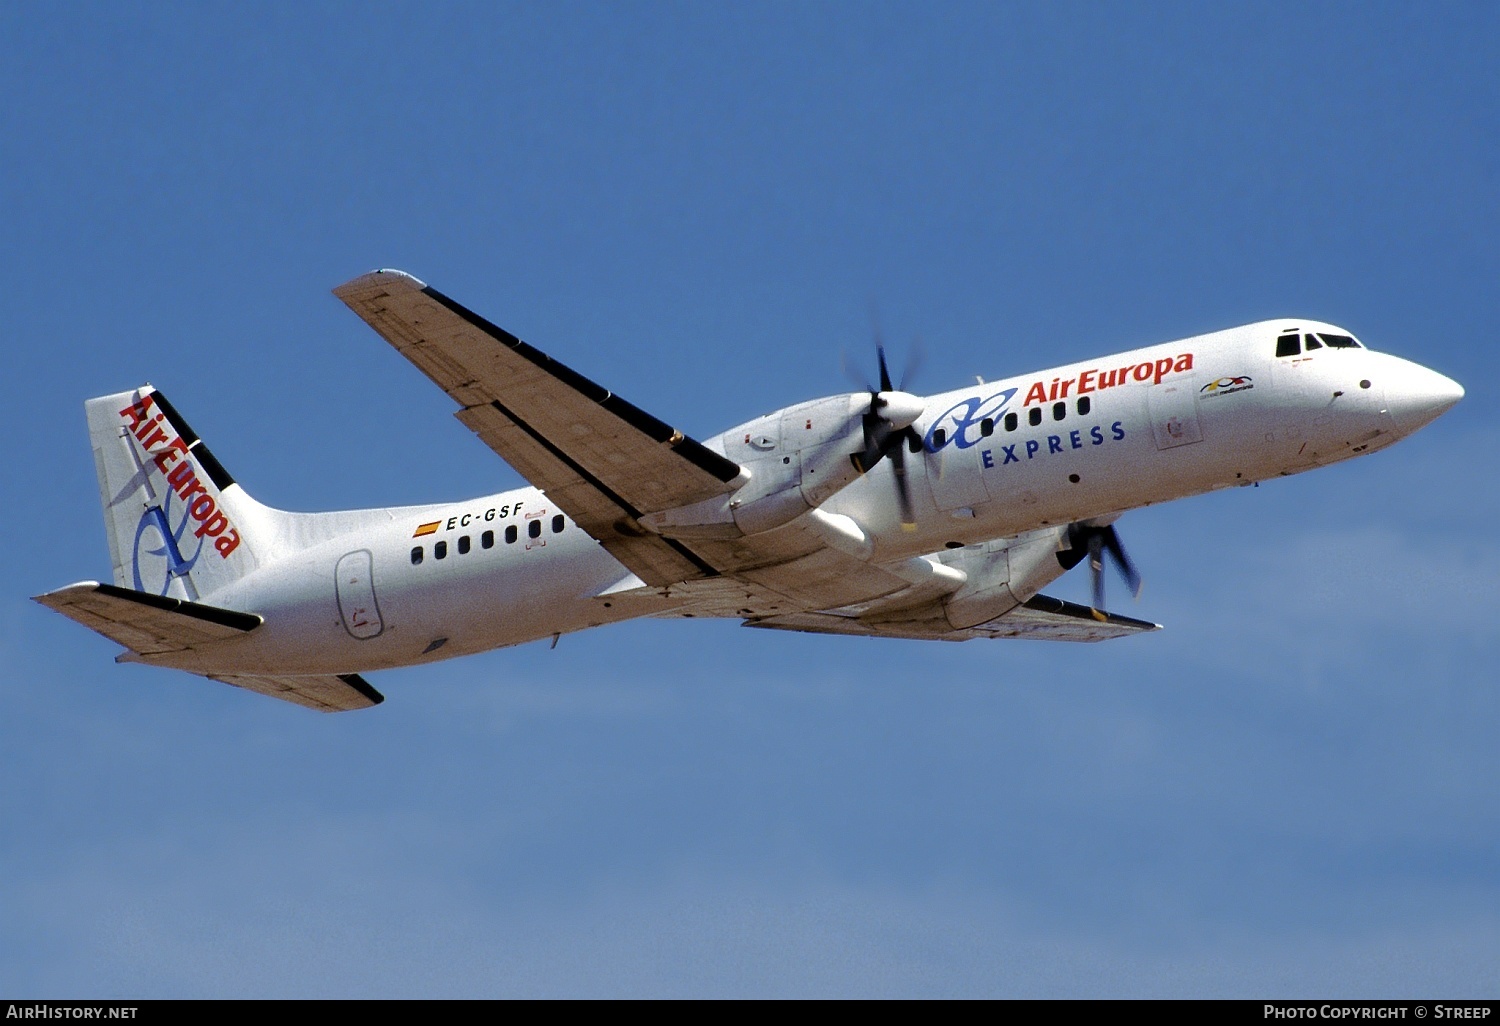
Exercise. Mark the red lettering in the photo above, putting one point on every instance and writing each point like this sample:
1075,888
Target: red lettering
140,432
156,436
1053,394
137,410
1036,394
226,544
1065,386
1184,363
181,474
169,454
213,525
1107,379
1143,371
202,506
1163,367
193,485
1083,382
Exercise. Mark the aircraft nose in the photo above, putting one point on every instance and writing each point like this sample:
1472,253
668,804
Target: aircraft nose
1420,397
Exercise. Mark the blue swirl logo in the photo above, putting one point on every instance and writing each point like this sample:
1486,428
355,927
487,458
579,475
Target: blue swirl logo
962,423
165,561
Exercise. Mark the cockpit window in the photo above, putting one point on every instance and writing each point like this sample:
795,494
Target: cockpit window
1310,341
1289,345
1338,341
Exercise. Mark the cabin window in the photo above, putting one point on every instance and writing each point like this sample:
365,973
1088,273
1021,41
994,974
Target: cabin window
1084,405
1289,345
487,540
1310,342
1035,416
534,529
557,524
987,426
914,443
1012,422
416,555
463,545
511,534
1059,411
938,438
440,550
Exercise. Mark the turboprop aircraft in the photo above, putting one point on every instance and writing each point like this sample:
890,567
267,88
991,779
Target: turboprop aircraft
877,513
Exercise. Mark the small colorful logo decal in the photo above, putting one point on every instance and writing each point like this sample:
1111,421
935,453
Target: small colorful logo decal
426,529
1226,386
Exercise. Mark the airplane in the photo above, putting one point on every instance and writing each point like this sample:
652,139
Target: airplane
874,513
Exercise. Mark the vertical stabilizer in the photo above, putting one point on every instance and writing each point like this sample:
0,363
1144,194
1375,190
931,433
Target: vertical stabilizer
178,524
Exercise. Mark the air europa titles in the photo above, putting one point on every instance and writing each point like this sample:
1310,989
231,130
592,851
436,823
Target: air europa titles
1098,379
150,430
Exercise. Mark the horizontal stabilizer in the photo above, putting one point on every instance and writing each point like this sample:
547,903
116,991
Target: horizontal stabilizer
144,623
323,693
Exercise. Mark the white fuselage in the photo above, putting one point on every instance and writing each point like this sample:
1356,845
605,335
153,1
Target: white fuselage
1087,440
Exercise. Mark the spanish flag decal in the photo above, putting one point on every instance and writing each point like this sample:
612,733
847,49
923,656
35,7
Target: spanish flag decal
426,529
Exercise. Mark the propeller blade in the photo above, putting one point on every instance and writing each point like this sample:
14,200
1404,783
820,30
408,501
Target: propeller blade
887,429
855,374
914,360
1096,571
1085,539
1123,563
903,487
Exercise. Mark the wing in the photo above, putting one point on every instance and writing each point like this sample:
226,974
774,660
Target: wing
1042,618
603,461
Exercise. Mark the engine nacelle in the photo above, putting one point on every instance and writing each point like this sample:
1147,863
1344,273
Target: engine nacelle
796,460
1003,575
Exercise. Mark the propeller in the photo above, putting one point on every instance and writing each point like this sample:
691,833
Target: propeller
888,430
1093,541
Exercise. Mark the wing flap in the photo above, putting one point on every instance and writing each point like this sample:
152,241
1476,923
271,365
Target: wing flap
1042,618
1045,618
144,623
603,461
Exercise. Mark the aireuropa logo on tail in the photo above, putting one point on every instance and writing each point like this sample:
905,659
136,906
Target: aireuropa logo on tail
168,557
173,461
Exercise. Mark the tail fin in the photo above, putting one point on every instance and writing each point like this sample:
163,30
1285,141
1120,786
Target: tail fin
178,524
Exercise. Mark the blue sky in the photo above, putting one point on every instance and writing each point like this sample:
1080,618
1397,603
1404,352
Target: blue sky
1289,791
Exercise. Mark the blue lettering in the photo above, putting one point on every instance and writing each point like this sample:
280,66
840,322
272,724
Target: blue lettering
1096,435
1054,443
1032,445
1077,441
1116,430
987,458
1010,455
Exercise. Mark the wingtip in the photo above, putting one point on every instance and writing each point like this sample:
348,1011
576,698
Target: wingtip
381,276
